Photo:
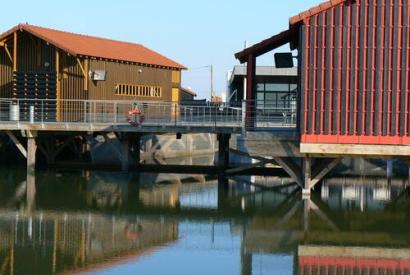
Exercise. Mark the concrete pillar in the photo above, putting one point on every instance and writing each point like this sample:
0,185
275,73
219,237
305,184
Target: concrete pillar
223,151
389,168
31,155
137,150
125,148
31,168
307,177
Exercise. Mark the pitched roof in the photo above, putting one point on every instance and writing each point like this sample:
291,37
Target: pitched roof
188,91
315,10
77,44
267,45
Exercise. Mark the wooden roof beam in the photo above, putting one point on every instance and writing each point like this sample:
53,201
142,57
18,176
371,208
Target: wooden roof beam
8,53
81,67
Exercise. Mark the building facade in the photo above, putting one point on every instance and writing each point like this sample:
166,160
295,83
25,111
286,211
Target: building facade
353,77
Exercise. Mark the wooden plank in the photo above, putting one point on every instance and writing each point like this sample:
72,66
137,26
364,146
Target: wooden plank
86,75
244,154
320,149
323,171
307,173
15,52
19,146
58,87
81,67
291,169
8,53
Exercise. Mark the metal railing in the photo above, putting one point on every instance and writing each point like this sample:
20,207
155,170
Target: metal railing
269,114
156,113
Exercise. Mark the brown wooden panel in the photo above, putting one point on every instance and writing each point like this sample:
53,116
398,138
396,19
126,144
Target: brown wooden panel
130,74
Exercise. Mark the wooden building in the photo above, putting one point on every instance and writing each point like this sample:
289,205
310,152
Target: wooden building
41,63
186,94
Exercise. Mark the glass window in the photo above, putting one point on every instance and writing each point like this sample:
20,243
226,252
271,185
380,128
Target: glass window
293,87
270,96
260,87
280,87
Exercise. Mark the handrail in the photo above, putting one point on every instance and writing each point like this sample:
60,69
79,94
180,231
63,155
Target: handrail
249,115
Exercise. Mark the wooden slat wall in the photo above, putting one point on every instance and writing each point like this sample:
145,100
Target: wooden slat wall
33,54
122,73
355,74
6,75
72,87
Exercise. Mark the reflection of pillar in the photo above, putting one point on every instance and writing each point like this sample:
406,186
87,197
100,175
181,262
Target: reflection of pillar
31,192
223,190
12,259
306,209
54,260
246,260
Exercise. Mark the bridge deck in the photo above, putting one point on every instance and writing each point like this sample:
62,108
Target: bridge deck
153,117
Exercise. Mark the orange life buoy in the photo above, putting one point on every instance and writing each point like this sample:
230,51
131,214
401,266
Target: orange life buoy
135,117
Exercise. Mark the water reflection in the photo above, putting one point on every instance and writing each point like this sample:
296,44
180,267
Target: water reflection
115,223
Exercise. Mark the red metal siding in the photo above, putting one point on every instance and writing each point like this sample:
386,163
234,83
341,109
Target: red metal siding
355,74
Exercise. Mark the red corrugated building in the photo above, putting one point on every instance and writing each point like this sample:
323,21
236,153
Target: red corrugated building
353,59
353,92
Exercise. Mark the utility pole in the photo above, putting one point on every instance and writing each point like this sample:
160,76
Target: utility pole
212,81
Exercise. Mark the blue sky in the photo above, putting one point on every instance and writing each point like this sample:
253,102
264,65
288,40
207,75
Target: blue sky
195,33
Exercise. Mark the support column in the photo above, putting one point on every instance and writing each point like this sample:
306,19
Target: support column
250,89
31,154
389,168
307,176
223,151
137,149
125,148
31,168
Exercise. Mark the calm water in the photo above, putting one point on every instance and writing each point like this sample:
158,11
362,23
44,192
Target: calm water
112,223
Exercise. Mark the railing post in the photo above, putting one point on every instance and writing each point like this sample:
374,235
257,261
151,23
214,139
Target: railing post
85,111
95,111
115,113
42,111
175,115
243,121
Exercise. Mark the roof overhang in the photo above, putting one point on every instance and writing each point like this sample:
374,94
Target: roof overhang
318,9
269,44
29,29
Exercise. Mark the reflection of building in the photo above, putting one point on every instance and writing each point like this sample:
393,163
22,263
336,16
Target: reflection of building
355,260
361,192
63,242
160,196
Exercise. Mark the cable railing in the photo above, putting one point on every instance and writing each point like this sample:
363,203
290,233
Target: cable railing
248,115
